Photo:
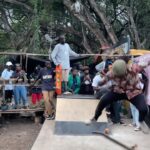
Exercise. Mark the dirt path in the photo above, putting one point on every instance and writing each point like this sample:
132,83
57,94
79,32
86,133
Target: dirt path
18,134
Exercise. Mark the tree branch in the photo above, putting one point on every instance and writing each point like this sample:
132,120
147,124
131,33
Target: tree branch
19,4
8,27
88,21
133,27
105,21
85,42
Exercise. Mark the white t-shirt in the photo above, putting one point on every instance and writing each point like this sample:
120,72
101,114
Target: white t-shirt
60,55
6,75
96,81
140,85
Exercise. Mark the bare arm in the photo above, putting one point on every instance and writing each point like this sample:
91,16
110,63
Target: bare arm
72,53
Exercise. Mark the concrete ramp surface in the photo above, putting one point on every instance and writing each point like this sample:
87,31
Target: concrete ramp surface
68,130
72,114
77,110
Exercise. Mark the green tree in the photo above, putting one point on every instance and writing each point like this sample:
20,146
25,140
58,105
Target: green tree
99,23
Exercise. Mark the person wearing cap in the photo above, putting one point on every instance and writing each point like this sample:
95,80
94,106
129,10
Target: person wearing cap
20,90
125,86
61,56
6,75
47,76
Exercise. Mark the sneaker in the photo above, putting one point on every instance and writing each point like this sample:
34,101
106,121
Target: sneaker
25,107
131,125
144,127
52,116
122,123
45,116
18,107
67,93
137,129
88,122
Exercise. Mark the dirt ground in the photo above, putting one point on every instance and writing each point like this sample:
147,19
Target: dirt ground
18,133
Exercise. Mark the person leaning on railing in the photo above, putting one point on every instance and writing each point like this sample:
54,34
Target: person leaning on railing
19,78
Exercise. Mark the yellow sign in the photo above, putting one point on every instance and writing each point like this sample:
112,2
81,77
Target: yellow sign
138,52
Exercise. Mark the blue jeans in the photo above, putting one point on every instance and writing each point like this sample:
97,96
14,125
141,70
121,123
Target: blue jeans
20,92
135,115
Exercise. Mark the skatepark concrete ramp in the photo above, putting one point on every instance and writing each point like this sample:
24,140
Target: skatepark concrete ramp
68,130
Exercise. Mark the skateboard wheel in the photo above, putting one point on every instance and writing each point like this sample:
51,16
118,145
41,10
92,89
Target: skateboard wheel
106,131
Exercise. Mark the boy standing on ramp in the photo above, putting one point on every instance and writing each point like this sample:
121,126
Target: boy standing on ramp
60,56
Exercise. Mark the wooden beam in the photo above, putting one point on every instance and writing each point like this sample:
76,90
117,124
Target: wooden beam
22,53
16,111
46,55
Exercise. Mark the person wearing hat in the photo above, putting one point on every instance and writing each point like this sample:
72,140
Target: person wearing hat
125,86
6,75
47,76
61,56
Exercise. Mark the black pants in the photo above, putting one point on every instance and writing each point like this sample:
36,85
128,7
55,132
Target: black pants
138,101
86,89
101,93
8,95
116,108
147,119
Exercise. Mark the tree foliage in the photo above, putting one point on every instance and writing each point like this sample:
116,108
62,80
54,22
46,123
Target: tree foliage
99,23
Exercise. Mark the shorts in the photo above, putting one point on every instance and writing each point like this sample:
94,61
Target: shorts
65,75
36,97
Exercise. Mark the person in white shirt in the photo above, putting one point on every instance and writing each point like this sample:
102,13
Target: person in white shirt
100,90
61,56
6,75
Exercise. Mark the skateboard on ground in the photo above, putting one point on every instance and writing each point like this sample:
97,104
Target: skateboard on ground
105,134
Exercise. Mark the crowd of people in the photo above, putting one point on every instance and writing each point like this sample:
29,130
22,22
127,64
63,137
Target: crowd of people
19,78
116,79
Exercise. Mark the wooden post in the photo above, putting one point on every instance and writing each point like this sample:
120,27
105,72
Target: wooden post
21,60
26,67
